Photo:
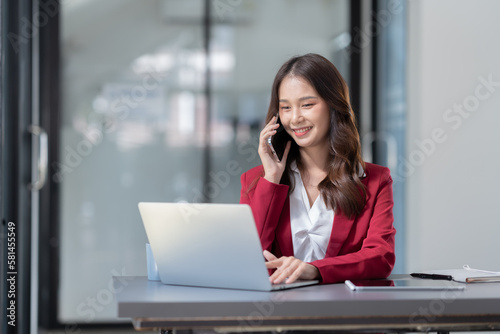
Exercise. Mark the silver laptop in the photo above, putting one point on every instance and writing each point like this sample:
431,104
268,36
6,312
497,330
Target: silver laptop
208,245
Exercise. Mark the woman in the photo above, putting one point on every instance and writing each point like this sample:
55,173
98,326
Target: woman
321,212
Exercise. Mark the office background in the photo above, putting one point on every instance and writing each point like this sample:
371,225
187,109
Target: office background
134,112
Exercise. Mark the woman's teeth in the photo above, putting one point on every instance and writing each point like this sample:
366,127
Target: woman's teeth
302,130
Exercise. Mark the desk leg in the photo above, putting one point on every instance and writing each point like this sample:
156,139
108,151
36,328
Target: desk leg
443,332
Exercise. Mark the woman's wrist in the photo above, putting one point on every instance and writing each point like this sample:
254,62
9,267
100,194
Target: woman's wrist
312,272
272,179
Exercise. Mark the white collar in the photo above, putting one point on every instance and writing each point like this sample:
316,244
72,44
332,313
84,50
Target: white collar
294,168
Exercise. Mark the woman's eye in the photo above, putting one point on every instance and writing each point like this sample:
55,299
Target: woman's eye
308,105
284,108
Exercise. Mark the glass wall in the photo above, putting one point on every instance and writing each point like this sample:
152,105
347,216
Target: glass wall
134,116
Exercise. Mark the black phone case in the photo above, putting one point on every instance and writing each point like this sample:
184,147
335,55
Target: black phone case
279,140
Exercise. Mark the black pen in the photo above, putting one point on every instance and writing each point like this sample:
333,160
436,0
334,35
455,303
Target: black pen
432,276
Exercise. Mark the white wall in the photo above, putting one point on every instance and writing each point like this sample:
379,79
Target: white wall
453,187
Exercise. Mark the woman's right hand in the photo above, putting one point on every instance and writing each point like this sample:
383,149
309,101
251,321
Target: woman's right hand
273,169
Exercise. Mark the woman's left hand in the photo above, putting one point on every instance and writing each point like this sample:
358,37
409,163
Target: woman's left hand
289,269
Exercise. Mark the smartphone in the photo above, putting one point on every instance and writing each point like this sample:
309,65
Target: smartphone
277,143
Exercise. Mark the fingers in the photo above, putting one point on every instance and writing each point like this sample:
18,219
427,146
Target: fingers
269,256
273,264
273,170
272,261
297,273
269,130
290,268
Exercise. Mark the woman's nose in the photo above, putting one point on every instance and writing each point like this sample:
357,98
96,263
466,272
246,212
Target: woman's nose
296,115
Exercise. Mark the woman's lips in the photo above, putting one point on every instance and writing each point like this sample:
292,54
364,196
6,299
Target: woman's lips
302,131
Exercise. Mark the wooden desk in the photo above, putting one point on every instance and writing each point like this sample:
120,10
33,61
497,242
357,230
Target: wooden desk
333,307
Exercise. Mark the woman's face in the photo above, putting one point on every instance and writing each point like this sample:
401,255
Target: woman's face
303,113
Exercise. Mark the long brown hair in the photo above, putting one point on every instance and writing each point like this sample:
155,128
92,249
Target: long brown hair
342,188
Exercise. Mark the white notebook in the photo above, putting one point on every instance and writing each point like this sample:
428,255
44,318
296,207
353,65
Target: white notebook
469,275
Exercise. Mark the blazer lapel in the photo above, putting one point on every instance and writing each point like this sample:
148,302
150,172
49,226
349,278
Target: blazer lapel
284,231
342,226
340,230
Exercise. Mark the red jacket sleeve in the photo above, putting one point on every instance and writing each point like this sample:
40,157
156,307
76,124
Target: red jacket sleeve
376,257
266,200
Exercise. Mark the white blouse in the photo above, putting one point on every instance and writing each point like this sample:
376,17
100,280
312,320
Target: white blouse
311,225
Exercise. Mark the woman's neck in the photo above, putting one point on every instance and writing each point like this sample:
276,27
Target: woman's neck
314,161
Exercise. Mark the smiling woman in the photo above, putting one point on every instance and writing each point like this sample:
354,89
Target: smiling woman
304,115
321,211
316,82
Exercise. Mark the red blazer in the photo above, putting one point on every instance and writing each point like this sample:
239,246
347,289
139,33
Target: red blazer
359,248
